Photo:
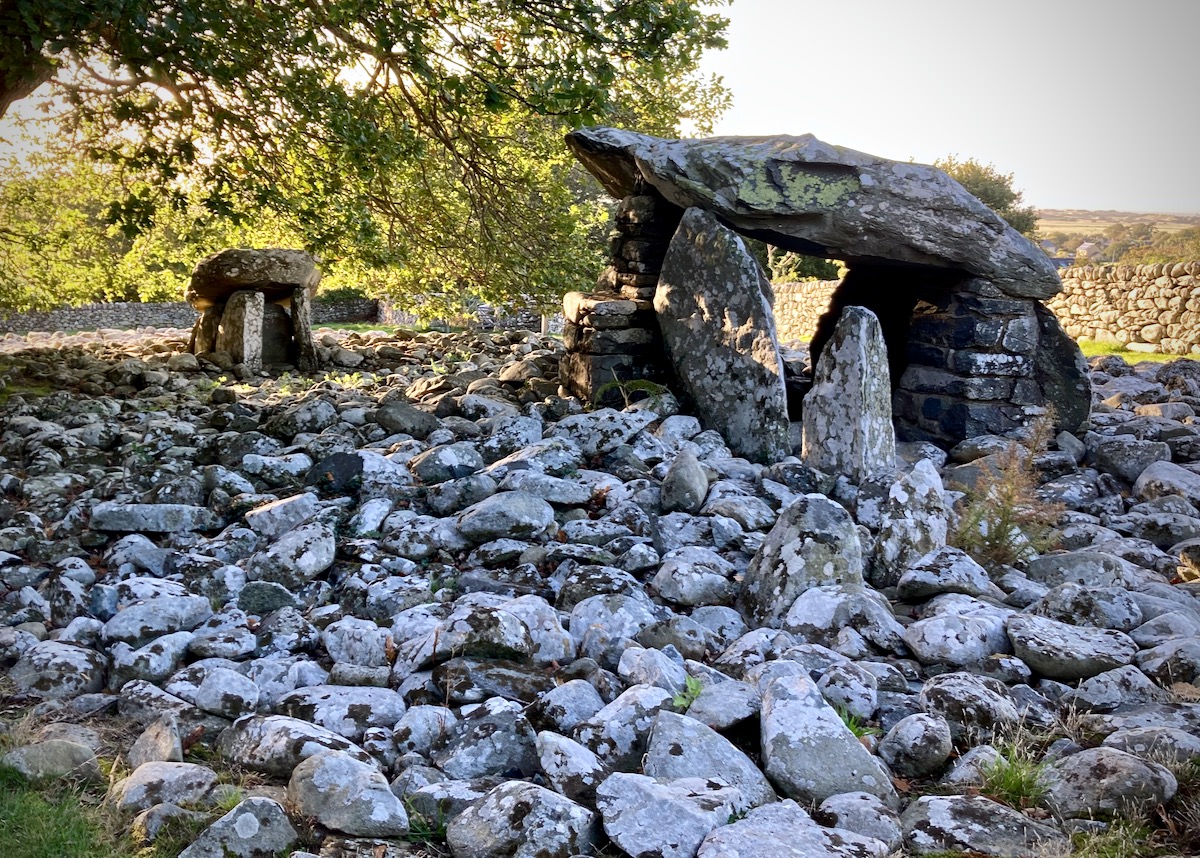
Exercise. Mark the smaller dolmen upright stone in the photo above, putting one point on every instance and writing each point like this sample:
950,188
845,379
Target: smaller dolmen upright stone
848,413
254,305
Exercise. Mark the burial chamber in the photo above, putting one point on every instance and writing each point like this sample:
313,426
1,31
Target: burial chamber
958,292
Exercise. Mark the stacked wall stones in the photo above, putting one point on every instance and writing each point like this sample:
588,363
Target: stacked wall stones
798,306
1147,308
612,335
124,315
971,365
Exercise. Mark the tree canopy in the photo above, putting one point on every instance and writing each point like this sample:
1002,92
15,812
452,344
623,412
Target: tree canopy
994,189
417,141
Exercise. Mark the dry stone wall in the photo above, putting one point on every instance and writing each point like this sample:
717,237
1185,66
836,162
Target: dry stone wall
126,315
799,305
1147,308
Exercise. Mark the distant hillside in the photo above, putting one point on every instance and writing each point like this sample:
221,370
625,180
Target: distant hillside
1084,222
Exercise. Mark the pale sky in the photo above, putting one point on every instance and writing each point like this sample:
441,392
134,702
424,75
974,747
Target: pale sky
1090,105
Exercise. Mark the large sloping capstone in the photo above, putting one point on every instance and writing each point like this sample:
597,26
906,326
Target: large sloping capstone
848,413
805,195
714,309
275,272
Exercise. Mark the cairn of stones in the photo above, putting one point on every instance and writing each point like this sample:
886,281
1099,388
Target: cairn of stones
255,307
957,291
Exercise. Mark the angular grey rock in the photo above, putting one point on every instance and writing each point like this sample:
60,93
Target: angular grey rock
804,195
682,747
974,706
714,309
564,707
347,711
523,820
276,744
240,334
915,520
156,617
944,570
156,782
226,693
158,742
571,769
1106,691
421,727
347,795
864,814
256,828
1100,781
848,413
961,631
1164,745
808,752
1082,605
814,542
296,558
645,817
1166,478
726,704
399,416
515,515
1062,651
272,520
493,739
52,759
685,484
58,671
783,830
937,823
599,432
152,517
618,733
917,746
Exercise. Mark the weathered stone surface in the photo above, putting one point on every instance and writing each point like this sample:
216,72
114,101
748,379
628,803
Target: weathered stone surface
804,195
522,820
848,413
935,823
784,830
646,817
714,308
276,744
808,752
1062,651
1099,781
347,795
256,828
814,542
241,332
274,272
682,747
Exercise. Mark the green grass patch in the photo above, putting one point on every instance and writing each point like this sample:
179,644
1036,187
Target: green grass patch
56,823
1092,348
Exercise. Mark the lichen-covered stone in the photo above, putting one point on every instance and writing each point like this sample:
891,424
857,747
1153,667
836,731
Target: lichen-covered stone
714,308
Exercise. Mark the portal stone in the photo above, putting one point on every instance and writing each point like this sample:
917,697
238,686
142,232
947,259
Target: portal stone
714,308
848,413
241,333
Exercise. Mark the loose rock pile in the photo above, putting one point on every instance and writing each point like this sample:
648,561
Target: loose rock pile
434,587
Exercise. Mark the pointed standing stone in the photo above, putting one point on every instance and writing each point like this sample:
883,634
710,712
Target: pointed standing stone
848,413
714,308
306,352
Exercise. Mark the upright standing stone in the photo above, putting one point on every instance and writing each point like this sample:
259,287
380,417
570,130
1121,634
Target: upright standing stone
714,309
204,334
848,413
306,352
241,329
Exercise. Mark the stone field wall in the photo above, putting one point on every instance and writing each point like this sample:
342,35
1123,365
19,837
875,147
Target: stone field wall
1147,308
799,305
176,314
